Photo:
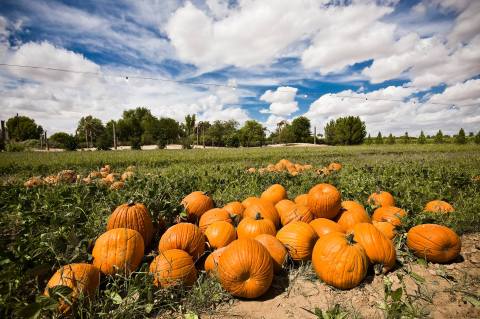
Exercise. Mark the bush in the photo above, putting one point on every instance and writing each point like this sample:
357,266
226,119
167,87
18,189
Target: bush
15,147
63,140
103,142
135,143
186,143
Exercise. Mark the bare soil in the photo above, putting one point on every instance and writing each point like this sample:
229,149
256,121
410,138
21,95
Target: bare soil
438,291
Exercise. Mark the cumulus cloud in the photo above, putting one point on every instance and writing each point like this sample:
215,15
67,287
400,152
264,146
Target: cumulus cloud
282,100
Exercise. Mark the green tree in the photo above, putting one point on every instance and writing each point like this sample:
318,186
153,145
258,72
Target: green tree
134,124
379,139
348,130
368,140
220,130
189,124
477,138
64,140
252,134
89,129
421,138
406,138
460,138
438,137
300,129
169,131
390,139
22,128
287,135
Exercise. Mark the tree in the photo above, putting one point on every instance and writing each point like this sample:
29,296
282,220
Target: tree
406,138
421,138
439,137
287,135
135,123
477,138
64,140
219,130
22,128
460,138
379,139
189,124
252,134
390,139
89,129
168,132
300,128
368,141
348,130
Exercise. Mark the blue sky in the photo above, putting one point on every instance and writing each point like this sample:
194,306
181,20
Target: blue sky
399,65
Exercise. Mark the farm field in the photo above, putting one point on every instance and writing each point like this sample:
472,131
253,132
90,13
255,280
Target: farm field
45,227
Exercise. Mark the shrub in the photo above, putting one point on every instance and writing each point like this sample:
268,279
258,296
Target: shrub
135,143
15,147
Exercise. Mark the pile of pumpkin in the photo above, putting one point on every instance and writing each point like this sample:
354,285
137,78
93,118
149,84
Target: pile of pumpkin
252,240
105,176
294,169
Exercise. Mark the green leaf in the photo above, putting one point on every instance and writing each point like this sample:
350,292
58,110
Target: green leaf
116,298
397,294
422,262
59,291
417,277
190,315
30,311
472,300
148,308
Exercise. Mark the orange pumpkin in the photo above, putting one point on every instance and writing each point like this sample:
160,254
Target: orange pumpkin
381,198
220,234
184,236
235,209
173,267
67,176
266,210
134,216
389,214
275,248
339,261
302,199
274,193
438,206
249,200
211,263
324,201
196,204
434,242
351,214
323,226
284,206
82,278
386,228
213,215
334,166
117,185
299,239
252,227
127,175
245,268
118,250
297,212
378,248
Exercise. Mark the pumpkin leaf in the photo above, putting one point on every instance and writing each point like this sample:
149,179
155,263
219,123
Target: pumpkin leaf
190,315
30,311
472,300
115,297
397,294
59,291
417,277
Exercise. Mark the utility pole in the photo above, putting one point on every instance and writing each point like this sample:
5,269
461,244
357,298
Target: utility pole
41,141
46,141
197,136
314,135
86,136
114,137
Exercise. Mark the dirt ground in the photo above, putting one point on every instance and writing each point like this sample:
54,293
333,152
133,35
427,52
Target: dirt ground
435,291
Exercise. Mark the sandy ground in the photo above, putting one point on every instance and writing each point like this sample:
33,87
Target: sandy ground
442,291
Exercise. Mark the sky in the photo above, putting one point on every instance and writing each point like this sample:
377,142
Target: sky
399,65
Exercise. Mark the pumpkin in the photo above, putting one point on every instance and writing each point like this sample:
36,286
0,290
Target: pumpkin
95,174
334,166
271,168
379,249
302,199
127,175
82,278
275,248
111,178
438,206
196,204
106,168
299,239
386,228
33,182
51,180
351,214
249,200
265,208
184,236
389,214
235,209
87,180
134,216
220,234
434,242
211,262
118,250
324,201
339,261
213,215
252,227
297,212
117,185
274,193
67,176
251,170
104,174
173,267
284,206
323,226
130,168
307,167
381,198
245,268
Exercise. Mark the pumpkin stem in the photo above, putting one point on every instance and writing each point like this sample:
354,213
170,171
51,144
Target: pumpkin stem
258,216
130,202
350,239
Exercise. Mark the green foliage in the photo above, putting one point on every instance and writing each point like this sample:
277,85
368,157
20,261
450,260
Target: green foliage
460,138
21,128
421,138
63,140
189,124
390,139
369,140
135,143
104,142
15,147
348,130
300,128
406,138
252,134
477,138
438,137
219,131
379,138
89,129
286,134
336,312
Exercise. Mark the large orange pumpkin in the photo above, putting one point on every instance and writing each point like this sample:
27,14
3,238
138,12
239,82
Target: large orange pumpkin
434,242
196,204
266,210
386,228
275,248
351,214
220,234
299,239
133,216
378,248
213,215
302,199
245,268
381,198
389,214
173,267
211,262
81,278
324,201
339,261
249,200
234,209
438,206
252,227
184,236
323,226
118,250
297,212
284,206
274,193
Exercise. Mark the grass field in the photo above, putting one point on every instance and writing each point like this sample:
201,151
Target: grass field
48,226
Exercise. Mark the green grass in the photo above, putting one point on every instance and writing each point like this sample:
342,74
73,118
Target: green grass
46,227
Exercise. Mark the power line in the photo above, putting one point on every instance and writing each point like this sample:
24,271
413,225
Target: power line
451,104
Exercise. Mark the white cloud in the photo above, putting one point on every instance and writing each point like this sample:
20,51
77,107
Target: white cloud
282,100
466,24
